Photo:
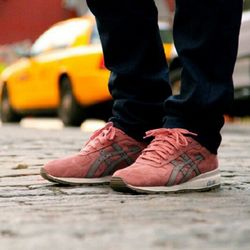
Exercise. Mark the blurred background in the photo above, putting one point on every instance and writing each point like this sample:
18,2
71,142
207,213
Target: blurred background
51,63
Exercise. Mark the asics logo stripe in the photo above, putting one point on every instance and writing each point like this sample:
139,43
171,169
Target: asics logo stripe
106,157
186,166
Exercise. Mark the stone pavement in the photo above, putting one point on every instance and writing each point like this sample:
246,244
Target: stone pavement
35,214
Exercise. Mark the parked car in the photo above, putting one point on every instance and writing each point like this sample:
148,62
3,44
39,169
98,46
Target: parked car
62,74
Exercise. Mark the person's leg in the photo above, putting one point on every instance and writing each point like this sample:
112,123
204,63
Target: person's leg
206,38
134,54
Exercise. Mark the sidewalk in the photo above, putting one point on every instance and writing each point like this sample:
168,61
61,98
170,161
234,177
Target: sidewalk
36,215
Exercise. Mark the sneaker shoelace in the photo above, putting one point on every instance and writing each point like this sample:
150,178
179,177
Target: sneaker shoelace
165,143
99,137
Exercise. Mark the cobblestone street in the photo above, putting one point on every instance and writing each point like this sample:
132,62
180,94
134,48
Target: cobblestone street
38,215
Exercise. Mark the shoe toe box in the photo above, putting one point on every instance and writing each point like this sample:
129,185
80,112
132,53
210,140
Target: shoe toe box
142,176
65,167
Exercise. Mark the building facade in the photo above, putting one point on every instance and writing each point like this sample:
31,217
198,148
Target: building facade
27,19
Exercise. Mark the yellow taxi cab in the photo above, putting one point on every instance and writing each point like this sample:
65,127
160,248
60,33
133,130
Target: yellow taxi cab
62,74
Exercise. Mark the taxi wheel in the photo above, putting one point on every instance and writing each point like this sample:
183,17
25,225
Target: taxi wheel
7,112
69,111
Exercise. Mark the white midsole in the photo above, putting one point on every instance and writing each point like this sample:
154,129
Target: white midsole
203,181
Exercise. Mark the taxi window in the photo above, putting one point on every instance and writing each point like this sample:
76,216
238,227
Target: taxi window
95,38
59,36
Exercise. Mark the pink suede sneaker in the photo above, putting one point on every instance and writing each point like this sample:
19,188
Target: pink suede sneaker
172,162
107,150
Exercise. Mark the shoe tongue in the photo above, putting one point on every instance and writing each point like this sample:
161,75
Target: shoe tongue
166,132
179,135
155,132
162,132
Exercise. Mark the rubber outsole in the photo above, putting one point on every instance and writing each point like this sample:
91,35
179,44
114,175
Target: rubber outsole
75,181
202,183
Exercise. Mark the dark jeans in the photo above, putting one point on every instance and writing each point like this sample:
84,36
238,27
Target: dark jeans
206,38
